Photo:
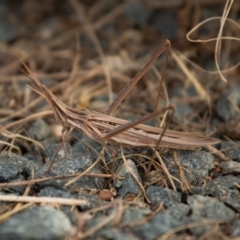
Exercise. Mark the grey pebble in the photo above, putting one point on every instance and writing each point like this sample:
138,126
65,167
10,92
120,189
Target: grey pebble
210,208
159,224
224,181
14,167
35,160
163,195
37,223
232,150
203,225
197,165
54,192
98,218
39,130
75,163
204,209
233,203
92,200
130,215
222,186
53,148
230,167
113,234
178,210
128,185
60,193
236,229
133,214
218,191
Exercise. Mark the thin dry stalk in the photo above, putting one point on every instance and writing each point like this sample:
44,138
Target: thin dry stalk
134,176
98,226
11,146
168,234
50,200
190,76
10,135
5,216
219,38
145,219
26,119
19,205
169,176
39,180
90,30
100,156
185,185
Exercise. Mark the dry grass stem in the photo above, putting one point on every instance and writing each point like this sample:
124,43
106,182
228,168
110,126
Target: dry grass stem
45,179
49,200
9,213
168,234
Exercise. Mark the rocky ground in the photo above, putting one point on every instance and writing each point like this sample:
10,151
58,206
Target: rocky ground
89,193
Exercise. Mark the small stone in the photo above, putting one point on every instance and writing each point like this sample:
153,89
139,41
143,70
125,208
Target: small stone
37,223
217,191
163,195
53,148
14,167
128,185
133,214
224,181
179,211
236,229
159,224
233,203
197,165
39,130
231,149
204,209
75,163
230,167
113,234
210,208
54,192
92,201
200,229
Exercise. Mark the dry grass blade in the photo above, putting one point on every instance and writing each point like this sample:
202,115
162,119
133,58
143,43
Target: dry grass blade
63,201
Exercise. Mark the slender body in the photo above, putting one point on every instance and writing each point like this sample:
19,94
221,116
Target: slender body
105,128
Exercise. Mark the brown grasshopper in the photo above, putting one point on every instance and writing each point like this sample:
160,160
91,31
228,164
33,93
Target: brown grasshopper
106,128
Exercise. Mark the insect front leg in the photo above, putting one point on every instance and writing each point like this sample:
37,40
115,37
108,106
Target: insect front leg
60,147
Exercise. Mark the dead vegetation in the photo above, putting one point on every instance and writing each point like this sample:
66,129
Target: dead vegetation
81,69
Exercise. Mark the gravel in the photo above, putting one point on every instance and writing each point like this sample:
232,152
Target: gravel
37,223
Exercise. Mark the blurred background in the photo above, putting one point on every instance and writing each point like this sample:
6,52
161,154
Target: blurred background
86,51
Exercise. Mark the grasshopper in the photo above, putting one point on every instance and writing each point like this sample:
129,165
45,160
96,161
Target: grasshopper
105,128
